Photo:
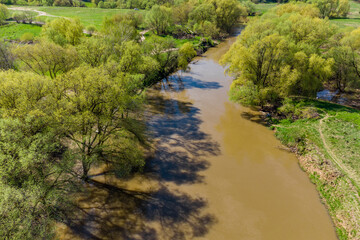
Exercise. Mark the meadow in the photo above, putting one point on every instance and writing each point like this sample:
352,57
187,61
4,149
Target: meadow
88,16
14,31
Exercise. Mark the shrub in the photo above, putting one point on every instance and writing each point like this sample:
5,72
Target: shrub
91,29
27,37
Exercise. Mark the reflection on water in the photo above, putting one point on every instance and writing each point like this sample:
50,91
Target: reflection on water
333,96
216,173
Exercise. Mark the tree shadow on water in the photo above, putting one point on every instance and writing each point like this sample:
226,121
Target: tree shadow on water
182,148
178,83
109,212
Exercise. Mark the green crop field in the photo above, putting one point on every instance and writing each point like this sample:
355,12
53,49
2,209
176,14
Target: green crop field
87,16
14,31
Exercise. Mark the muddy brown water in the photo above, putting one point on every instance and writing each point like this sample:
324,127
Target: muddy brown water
217,173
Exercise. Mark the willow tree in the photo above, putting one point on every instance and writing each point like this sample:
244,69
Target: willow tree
34,168
98,115
63,31
279,55
159,18
46,58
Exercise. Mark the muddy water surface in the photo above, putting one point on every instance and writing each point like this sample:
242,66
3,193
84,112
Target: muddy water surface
217,173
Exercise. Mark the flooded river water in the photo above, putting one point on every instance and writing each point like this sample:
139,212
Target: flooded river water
216,173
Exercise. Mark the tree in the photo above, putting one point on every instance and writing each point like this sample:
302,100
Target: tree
202,13
228,13
94,51
47,58
345,51
98,115
186,53
162,50
279,57
159,18
118,30
34,166
6,57
332,8
181,13
29,16
4,13
63,31
33,182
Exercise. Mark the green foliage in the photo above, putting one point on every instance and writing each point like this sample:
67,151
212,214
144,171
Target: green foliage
280,54
6,57
160,49
332,8
46,58
94,51
33,164
4,13
26,37
186,53
207,29
63,31
118,31
250,7
98,113
228,13
202,13
159,18
91,29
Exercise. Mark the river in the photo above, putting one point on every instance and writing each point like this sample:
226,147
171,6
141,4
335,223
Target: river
216,173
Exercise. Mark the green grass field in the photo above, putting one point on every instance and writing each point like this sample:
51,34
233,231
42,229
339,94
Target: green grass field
14,31
264,7
340,133
87,16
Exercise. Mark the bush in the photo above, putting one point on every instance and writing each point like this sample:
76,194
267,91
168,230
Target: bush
91,29
27,37
4,13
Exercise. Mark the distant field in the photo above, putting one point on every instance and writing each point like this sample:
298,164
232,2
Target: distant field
87,16
353,19
264,7
15,31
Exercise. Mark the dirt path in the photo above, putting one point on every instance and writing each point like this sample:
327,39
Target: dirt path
338,162
40,13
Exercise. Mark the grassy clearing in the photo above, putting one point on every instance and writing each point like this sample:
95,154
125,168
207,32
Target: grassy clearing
87,16
329,148
14,31
264,7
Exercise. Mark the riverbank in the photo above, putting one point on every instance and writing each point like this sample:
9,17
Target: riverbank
326,139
